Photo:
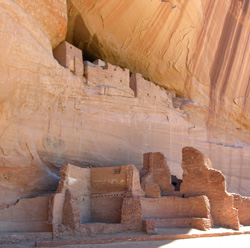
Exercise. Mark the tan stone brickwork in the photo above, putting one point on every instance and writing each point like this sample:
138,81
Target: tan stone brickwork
155,170
200,179
131,216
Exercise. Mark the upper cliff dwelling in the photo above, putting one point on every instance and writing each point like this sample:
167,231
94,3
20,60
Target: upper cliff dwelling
98,99
107,79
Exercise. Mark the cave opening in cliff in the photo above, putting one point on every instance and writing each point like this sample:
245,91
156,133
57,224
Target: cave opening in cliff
79,35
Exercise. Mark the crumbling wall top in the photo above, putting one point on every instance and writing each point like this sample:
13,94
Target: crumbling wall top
75,178
191,157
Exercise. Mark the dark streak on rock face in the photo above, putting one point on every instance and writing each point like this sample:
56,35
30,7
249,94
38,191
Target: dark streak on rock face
222,48
234,48
226,51
231,60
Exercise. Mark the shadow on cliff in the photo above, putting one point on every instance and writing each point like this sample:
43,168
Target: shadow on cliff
79,35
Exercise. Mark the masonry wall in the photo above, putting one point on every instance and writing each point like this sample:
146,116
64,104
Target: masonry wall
27,215
242,204
150,92
155,170
106,208
77,181
108,185
133,181
108,179
110,75
175,207
200,179
70,57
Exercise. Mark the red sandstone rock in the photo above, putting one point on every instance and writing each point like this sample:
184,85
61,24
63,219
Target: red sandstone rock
196,48
26,215
51,16
49,118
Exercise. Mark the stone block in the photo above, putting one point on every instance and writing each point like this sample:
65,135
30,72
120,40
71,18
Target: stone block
148,226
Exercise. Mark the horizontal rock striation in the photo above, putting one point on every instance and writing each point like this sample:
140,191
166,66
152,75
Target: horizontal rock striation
50,116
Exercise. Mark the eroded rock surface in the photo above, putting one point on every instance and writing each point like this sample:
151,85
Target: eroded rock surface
49,116
200,49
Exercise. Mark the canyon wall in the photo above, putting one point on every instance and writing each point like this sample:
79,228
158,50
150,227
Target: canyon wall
49,116
200,49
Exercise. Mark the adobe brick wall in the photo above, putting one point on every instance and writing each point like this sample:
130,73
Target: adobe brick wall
148,226
200,179
175,207
106,208
242,204
152,190
155,170
90,229
109,75
70,206
198,223
77,180
108,179
71,215
150,92
70,57
131,215
133,182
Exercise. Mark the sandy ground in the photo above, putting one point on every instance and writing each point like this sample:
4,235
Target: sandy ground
242,240
215,242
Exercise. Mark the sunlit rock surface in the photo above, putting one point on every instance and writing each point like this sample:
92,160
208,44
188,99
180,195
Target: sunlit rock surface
198,48
48,116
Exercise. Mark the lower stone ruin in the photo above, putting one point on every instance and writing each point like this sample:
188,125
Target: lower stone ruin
108,200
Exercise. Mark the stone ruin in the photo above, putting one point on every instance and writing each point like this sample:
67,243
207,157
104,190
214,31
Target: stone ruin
107,79
70,57
107,200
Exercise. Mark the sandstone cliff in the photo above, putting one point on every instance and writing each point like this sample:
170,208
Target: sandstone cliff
200,49
48,116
